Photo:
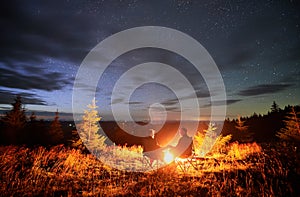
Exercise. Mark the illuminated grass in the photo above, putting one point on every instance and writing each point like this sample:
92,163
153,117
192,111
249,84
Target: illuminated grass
242,170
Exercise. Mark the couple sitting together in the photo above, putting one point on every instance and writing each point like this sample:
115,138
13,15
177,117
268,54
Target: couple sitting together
183,148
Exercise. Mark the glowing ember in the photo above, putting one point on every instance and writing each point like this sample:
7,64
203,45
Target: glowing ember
168,158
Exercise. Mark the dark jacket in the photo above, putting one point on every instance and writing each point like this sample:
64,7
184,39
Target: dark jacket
149,148
184,147
149,144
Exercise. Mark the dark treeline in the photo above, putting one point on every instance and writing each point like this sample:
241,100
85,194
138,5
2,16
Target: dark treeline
255,128
262,128
16,128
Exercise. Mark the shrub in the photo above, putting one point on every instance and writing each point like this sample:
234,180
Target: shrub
208,141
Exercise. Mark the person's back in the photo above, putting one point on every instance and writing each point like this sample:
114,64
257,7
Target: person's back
184,147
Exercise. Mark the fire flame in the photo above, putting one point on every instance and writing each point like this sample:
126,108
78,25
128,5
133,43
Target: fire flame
168,157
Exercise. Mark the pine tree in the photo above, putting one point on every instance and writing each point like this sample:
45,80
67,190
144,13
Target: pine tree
33,131
16,118
209,141
56,132
255,115
244,134
14,122
89,128
291,131
241,124
274,107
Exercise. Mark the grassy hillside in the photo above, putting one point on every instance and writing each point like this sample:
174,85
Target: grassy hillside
240,170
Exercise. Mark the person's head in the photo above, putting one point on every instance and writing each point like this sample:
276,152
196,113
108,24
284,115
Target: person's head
183,131
152,133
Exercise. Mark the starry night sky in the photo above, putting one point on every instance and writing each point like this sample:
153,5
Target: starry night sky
255,44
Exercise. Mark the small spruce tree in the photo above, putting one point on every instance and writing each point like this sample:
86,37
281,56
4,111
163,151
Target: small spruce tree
274,107
16,118
209,142
89,128
15,121
291,131
244,135
56,132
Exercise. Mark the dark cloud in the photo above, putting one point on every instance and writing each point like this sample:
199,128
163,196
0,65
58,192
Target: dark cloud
2,108
37,30
148,54
88,88
264,89
7,97
117,100
170,102
200,93
226,102
232,101
173,109
48,81
134,103
167,108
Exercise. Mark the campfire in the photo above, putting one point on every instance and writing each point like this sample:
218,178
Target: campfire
168,156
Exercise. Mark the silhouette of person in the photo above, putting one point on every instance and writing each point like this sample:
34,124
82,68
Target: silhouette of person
150,144
184,146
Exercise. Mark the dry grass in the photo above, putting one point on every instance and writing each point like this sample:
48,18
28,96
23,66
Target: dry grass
242,151
241,170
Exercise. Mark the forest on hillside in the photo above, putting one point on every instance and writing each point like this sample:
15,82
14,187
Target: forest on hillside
277,124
